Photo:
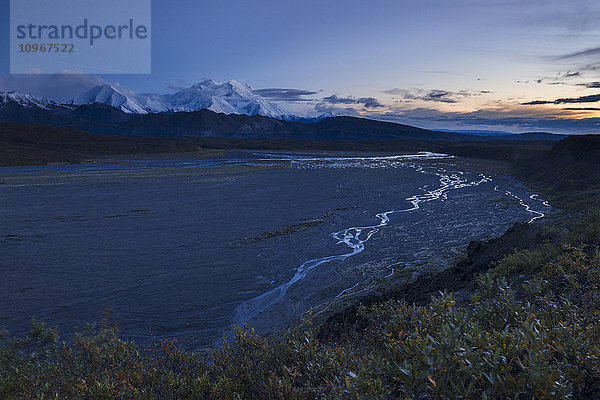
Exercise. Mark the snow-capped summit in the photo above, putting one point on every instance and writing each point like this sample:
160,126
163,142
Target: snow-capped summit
223,97
231,97
107,94
27,100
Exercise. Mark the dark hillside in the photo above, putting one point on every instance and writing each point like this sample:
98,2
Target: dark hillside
25,144
22,144
569,172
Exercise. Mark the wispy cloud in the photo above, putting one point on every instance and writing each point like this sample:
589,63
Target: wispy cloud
590,85
583,53
561,78
327,108
583,99
367,102
395,91
435,95
280,94
443,96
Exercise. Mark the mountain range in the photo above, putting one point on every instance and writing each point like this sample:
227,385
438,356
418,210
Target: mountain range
210,109
221,97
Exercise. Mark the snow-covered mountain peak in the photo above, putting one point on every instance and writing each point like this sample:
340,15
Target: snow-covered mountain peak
205,84
232,88
230,97
108,94
27,100
242,88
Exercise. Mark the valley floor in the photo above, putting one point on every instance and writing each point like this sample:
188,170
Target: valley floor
518,316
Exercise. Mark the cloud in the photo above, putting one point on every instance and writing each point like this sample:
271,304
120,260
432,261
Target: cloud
326,108
583,99
435,95
280,94
590,85
394,91
443,96
179,85
584,53
367,102
537,102
510,118
61,87
582,108
175,87
560,77
590,67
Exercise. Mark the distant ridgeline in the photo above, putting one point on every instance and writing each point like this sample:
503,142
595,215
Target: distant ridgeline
130,118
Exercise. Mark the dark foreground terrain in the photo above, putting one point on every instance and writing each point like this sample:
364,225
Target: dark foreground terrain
531,326
517,316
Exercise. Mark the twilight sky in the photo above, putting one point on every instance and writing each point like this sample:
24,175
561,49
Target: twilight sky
511,65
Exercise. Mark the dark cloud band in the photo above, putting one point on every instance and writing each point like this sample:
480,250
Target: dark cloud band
583,99
584,53
284,94
367,102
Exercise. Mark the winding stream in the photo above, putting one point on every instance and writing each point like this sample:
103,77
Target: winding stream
160,247
355,237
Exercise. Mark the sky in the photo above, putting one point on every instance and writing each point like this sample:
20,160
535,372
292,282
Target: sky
494,65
